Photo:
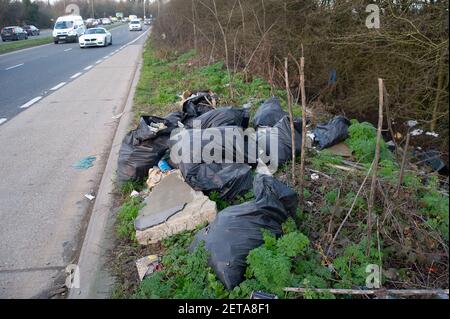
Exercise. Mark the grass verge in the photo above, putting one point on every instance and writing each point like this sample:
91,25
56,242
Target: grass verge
23,44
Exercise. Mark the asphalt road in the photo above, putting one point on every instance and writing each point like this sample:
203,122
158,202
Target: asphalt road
43,33
29,75
43,208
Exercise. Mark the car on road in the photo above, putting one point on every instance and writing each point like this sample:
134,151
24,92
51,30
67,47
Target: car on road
13,33
91,23
95,37
106,21
68,29
31,30
135,25
147,21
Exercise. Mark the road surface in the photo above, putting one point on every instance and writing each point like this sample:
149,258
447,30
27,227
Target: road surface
30,74
43,208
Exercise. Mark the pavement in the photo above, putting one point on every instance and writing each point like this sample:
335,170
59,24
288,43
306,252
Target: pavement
31,74
43,208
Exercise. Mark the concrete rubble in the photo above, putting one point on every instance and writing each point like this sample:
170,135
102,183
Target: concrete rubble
172,207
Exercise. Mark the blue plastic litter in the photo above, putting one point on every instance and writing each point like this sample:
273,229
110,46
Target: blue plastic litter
85,163
164,166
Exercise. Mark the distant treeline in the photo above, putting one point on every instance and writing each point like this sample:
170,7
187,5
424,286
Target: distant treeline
42,13
344,55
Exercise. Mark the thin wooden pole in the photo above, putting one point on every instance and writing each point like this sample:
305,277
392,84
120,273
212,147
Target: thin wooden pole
291,119
303,149
375,165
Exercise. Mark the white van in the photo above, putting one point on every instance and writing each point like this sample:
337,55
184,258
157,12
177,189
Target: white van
68,29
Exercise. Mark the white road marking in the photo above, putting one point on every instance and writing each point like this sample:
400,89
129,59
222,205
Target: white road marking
3,120
31,102
99,61
14,66
106,56
58,86
67,49
75,75
88,67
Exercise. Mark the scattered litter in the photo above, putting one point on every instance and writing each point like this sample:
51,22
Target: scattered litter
411,123
155,176
164,166
417,132
89,196
118,116
335,131
134,193
237,229
148,265
398,136
309,203
262,295
390,143
314,176
224,116
85,163
172,207
433,159
434,134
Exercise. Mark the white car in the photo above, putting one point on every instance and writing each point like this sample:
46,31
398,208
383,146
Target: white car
135,25
95,37
106,21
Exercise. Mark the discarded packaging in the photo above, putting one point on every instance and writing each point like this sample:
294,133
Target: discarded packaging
85,163
237,229
89,196
147,265
172,207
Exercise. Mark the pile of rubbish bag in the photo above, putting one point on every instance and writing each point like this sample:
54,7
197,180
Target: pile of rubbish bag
147,151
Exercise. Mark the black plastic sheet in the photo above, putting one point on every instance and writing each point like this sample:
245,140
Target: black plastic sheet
269,113
335,131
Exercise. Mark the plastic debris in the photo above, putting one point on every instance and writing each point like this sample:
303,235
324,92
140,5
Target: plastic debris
164,166
134,193
417,132
411,123
89,196
85,163
314,176
434,134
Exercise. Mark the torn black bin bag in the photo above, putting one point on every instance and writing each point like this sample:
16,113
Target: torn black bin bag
175,117
224,116
229,179
269,113
335,131
198,104
142,148
237,229
282,132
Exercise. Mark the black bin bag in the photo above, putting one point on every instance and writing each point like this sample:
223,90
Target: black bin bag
269,113
282,132
223,116
229,180
142,148
197,104
237,229
335,131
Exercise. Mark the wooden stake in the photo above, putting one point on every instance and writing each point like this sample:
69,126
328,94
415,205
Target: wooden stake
303,148
402,167
291,119
375,165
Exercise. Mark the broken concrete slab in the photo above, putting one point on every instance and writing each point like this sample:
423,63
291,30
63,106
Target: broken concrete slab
172,207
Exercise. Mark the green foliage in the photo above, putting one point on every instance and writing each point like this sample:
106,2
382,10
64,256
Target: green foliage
362,142
221,203
127,188
126,216
435,208
351,265
184,275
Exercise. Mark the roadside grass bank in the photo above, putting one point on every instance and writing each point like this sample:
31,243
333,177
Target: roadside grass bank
24,44
322,247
